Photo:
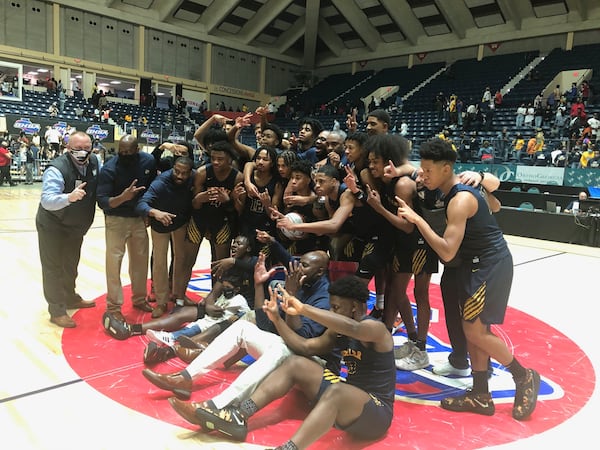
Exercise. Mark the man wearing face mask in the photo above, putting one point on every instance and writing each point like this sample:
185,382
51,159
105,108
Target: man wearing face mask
307,278
65,213
121,183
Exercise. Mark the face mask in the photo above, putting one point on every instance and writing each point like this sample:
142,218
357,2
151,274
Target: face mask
128,160
80,156
228,293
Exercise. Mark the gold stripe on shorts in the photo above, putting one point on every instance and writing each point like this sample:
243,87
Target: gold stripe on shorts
474,304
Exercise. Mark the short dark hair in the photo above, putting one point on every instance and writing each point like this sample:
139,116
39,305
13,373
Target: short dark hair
358,136
437,150
329,171
233,277
185,160
224,146
275,129
303,166
350,287
381,115
389,147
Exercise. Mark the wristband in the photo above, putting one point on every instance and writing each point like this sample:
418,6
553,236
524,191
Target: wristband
359,195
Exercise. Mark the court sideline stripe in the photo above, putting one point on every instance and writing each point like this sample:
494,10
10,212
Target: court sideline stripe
539,259
40,391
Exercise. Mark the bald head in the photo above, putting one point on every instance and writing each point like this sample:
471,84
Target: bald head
128,145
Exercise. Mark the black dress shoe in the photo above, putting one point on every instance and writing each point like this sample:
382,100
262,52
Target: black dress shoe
63,321
143,306
154,354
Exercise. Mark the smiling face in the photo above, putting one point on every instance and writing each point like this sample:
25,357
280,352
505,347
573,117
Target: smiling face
376,165
376,126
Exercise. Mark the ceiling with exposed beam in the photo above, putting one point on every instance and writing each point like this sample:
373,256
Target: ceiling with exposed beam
316,33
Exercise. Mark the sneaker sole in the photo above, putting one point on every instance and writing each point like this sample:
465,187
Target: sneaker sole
482,412
210,422
152,337
456,373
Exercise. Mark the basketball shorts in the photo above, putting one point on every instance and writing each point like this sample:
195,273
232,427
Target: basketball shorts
483,288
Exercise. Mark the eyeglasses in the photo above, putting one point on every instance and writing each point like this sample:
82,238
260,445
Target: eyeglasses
80,149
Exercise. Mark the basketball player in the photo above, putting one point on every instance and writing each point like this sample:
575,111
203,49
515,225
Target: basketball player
485,277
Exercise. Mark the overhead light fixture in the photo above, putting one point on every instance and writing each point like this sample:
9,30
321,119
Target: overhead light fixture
103,84
160,93
42,70
33,72
131,89
115,82
78,77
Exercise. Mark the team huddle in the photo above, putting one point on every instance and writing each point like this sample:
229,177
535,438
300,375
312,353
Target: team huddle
280,219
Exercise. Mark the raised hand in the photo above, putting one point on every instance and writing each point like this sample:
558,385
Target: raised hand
132,190
78,193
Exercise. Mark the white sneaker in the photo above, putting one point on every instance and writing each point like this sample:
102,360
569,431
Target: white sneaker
418,359
161,337
446,369
404,350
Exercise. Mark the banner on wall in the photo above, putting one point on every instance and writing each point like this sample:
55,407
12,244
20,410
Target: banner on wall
540,175
17,123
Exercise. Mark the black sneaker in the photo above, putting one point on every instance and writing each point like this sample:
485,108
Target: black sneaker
470,402
115,327
154,353
526,394
228,421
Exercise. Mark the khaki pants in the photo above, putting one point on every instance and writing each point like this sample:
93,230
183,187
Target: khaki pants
160,265
126,233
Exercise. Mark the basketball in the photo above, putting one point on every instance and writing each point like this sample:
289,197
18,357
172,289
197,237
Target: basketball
293,235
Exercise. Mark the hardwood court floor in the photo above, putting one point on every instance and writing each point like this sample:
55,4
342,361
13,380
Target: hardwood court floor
44,404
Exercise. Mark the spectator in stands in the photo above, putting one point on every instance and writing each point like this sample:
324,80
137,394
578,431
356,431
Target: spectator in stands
486,153
502,144
518,145
529,115
594,163
586,155
520,117
539,115
584,91
486,98
571,94
594,124
53,110
498,99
